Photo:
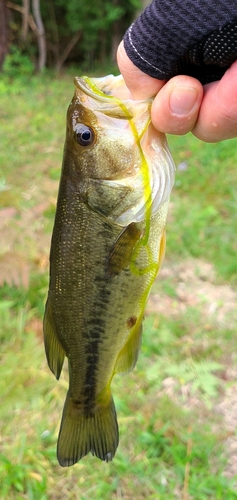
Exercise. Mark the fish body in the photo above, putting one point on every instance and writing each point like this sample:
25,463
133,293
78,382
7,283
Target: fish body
107,246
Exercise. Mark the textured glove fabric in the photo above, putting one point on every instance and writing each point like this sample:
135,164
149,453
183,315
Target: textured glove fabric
192,37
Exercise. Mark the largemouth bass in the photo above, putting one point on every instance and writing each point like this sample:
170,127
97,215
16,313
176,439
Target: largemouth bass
107,246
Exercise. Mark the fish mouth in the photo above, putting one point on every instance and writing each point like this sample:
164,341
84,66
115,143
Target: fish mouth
110,95
105,88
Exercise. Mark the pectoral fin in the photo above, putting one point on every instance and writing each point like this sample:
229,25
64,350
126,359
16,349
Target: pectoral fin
127,357
54,352
121,252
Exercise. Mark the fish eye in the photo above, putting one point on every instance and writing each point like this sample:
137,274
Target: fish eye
84,134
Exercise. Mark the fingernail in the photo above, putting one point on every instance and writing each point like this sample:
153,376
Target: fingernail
182,100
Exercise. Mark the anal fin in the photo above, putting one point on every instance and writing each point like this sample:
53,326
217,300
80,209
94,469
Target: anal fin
54,352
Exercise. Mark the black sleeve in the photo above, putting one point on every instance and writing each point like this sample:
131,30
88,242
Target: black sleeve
192,37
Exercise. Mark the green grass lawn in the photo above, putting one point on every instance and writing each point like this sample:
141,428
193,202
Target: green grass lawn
175,441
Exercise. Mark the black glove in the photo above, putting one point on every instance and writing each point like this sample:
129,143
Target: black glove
211,57
192,37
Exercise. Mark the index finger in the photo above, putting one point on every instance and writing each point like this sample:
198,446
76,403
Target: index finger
140,85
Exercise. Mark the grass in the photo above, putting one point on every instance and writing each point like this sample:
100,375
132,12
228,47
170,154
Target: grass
205,190
173,442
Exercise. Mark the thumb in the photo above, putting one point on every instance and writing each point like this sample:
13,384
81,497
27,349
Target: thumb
140,85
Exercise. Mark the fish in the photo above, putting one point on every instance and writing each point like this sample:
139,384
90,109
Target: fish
107,246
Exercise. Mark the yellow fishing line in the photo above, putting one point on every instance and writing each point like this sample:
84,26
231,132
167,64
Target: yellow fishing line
153,265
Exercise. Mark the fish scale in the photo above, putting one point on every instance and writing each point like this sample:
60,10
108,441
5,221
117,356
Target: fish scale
107,246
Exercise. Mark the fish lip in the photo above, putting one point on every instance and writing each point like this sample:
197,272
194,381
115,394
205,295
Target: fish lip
92,88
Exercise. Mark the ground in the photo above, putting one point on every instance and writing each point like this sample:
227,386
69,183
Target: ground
196,286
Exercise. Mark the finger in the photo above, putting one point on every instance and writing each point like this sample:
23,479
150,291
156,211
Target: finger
140,85
218,114
175,108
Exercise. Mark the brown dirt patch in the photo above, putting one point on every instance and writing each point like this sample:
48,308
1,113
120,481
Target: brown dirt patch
195,286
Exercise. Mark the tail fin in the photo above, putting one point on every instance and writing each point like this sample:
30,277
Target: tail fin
80,434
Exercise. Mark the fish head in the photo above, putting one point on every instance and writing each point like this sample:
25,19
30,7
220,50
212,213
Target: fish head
104,130
110,140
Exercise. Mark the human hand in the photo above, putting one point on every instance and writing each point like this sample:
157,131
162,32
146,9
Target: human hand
182,104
